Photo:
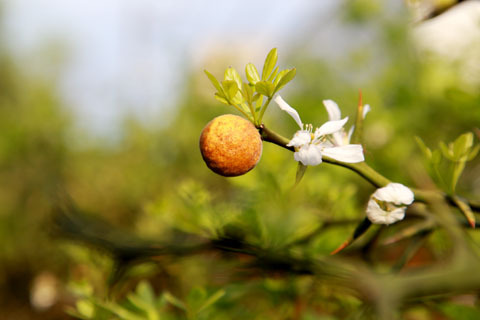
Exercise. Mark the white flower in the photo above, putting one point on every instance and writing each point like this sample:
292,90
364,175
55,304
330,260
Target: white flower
341,137
388,204
311,146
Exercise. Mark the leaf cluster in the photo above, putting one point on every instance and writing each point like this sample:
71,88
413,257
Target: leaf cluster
141,304
248,97
446,163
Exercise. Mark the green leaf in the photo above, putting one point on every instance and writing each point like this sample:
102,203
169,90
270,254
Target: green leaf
232,74
139,302
456,311
361,228
462,145
238,99
74,313
231,88
245,108
436,157
280,76
145,292
457,172
252,73
174,301
301,168
270,63
446,151
221,98
212,299
122,312
265,88
259,102
272,76
473,152
426,151
196,298
286,78
85,308
247,92
214,81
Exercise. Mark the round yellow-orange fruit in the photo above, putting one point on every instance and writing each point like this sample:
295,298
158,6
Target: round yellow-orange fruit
230,145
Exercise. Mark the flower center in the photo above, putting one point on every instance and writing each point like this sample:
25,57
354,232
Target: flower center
387,206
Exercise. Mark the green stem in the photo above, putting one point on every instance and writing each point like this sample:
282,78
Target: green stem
252,111
362,168
466,210
244,113
273,137
262,111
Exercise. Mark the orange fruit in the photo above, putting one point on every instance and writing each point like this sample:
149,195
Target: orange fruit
230,145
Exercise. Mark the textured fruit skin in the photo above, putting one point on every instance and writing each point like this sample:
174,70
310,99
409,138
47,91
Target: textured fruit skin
230,145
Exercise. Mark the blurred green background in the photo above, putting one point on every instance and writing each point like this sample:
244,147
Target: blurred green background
148,178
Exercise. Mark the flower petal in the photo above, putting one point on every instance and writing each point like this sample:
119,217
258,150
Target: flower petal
292,112
339,138
330,127
396,193
309,155
350,153
333,110
379,216
366,109
350,133
300,138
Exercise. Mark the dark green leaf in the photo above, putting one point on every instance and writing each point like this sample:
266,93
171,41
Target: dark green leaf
361,228
455,311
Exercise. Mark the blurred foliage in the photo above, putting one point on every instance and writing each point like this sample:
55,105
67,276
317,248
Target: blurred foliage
154,186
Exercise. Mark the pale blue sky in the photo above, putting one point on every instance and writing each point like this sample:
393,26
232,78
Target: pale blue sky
121,54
